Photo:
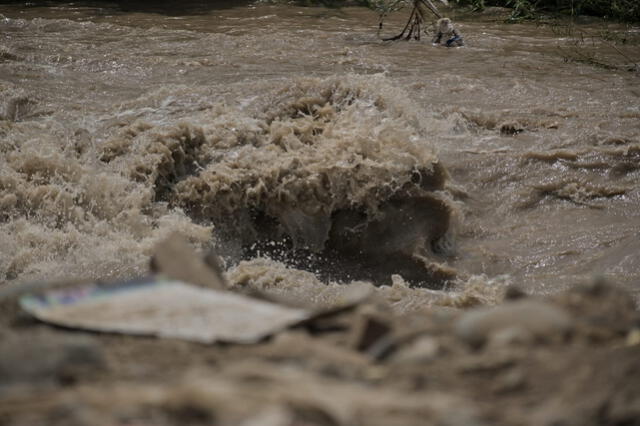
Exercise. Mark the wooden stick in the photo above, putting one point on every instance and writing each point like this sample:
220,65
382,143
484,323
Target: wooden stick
399,36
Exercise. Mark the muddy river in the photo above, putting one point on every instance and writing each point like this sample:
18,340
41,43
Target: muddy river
293,140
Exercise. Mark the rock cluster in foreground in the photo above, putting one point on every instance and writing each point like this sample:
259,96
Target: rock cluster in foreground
571,359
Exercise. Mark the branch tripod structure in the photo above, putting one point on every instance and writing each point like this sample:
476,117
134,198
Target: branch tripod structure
416,20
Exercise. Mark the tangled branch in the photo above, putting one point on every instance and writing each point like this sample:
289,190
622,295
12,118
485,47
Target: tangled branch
412,29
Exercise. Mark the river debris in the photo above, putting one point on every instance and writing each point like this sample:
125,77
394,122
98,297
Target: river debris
267,362
185,298
174,258
417,17
576,44
163,308
517,321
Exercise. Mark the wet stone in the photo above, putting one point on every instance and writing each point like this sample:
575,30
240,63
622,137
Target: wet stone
520,321
371,333
633,337
51,358
175,259
512,381
513,292
511,128
422,350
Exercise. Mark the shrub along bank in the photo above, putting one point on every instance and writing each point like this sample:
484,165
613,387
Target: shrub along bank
625,10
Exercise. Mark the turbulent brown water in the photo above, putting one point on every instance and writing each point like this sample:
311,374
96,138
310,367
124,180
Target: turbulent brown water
300,145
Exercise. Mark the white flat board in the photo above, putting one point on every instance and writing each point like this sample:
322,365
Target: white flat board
163,308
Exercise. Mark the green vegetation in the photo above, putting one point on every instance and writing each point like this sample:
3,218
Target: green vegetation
624,10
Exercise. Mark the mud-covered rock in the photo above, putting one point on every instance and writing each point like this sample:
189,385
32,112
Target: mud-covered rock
520,320
421,350
371,332
603,310
176,259
47,358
